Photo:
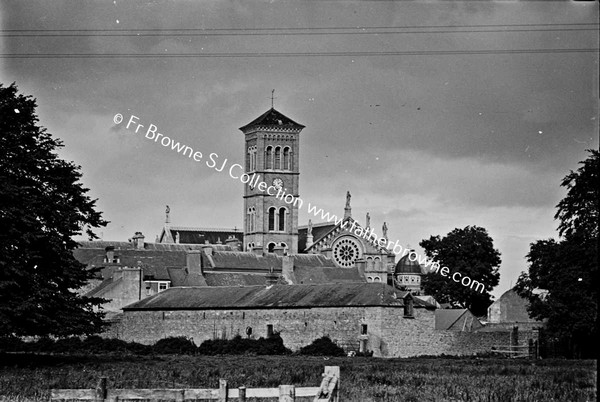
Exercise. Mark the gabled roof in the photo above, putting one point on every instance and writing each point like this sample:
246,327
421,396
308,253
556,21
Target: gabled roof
234,279
456,319
192,235
242,260
275,296
306,275
273,118
319,230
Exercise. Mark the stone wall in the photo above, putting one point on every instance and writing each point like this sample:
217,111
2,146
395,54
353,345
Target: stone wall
389,333
298,327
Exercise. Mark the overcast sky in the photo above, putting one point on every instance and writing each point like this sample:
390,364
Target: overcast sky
427,142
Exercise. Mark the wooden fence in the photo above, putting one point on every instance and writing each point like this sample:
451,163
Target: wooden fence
530,351
328,391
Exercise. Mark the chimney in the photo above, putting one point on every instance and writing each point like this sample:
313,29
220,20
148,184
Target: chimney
110,254
138,240
258,250
132,284
278,250
287,267
194,262
234,243
271,278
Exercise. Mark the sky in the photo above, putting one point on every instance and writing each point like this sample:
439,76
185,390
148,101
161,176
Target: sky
434,115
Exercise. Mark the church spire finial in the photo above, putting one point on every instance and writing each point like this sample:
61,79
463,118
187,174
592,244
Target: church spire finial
167,215
272,98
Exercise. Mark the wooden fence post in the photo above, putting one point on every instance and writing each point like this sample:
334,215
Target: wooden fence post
334,371
101,389
242,393
222,390
287,393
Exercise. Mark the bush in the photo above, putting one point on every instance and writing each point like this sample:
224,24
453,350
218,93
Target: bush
322,347
238,346
174,346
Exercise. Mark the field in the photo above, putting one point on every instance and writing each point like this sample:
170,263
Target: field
28,377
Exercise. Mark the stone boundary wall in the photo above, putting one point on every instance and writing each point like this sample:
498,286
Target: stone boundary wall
297,327
389,333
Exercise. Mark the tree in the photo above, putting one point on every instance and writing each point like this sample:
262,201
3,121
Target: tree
561,284
469,251
42,207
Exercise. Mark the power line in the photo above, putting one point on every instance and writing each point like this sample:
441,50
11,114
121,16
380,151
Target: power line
187,34
295,54
305,28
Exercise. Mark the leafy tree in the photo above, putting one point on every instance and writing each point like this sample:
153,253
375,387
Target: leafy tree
469,251
562,280
42,206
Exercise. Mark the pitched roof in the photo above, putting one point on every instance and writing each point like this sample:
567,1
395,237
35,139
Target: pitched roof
276,296
188,235
273,118
309,275
234,279
243,260
103,287
457,319
319,230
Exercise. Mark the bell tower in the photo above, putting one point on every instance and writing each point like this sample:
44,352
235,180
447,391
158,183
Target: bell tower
272,145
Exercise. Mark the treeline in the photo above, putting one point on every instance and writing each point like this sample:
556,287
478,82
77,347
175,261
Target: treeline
167,346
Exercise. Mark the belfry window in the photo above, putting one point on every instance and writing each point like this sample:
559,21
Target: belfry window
282,219
277,163
272,218
269,157
286,159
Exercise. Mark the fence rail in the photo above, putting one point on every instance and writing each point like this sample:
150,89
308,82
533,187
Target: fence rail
328,391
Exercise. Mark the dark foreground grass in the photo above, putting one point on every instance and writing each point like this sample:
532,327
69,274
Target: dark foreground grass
29,377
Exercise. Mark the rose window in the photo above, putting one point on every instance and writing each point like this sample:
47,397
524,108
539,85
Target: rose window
346,251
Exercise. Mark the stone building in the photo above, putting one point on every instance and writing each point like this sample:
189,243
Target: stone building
367,316
510,310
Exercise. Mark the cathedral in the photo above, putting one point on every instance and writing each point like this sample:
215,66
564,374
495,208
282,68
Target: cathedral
271,248
272,151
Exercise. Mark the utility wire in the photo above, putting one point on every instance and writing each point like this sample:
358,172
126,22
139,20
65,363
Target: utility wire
298,28
298,54
185,34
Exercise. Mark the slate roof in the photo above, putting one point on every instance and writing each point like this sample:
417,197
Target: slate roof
104,287
319,230
188,235
234,279
276,296
307,275
243,260
275,118
447,319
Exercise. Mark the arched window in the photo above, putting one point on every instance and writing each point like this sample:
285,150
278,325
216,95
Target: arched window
271,247
254,159
249,160
282,219
369,264
286,159
269,157
376,279
249,220
277,163
272,218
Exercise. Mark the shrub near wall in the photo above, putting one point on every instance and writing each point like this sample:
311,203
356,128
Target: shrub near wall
238,345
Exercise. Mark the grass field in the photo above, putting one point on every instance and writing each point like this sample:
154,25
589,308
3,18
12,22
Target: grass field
29,377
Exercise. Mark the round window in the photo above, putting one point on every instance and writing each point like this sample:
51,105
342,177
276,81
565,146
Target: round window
346,250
